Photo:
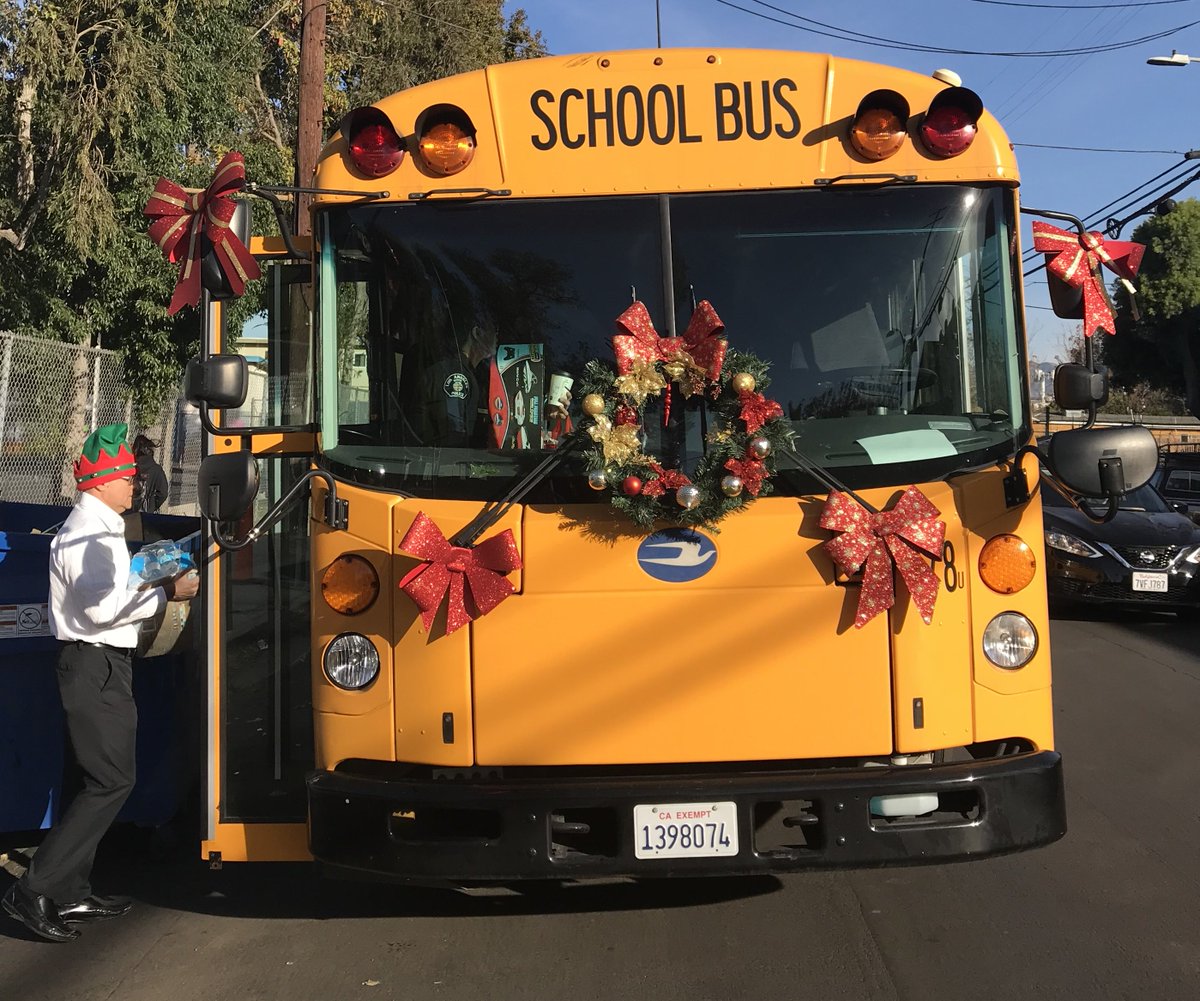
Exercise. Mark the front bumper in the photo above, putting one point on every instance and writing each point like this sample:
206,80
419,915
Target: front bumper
1105,581
579,827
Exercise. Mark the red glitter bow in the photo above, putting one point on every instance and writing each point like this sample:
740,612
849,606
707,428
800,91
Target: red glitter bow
181,218
451,568
664,480
751,472
757,409
704,341
901,537
1078,261
701,345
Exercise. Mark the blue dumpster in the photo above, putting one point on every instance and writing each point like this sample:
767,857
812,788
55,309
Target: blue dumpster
32,745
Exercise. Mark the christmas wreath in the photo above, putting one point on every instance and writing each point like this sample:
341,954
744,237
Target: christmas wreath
745,428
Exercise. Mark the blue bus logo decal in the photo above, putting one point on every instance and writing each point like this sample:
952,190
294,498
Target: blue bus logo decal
677,555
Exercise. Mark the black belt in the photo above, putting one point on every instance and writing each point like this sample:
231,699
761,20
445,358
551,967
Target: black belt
127,651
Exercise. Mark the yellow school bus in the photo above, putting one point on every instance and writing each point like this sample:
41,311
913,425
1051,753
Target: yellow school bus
639,690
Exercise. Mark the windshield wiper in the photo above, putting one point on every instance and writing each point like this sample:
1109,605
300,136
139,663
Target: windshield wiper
824,476
493,512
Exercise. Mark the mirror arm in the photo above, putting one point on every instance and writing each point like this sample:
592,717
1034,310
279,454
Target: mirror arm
285,229
336,514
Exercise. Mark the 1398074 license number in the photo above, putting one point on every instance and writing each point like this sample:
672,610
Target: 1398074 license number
685,830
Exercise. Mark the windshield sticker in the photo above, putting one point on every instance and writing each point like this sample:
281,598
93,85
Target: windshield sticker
677,555
907,446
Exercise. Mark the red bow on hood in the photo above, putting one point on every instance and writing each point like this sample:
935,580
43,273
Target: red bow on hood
903,537
478,572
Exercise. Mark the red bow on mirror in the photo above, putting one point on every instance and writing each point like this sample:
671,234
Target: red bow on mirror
182,218
1078,261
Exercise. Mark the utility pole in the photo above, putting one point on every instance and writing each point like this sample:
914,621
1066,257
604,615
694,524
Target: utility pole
311,112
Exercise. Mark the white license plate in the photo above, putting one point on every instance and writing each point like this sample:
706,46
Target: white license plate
685,830
1150,582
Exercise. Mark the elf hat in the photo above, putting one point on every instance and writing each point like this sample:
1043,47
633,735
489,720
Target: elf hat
105,457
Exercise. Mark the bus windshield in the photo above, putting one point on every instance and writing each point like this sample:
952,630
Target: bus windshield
889,317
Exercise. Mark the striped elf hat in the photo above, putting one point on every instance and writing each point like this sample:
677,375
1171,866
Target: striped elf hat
105,457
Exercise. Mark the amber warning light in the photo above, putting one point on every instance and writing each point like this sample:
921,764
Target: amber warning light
374,146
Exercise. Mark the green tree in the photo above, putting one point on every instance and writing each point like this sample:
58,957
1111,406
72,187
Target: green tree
1161,346
98,98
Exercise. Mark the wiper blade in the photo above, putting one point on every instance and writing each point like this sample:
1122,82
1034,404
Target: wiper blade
492,513
824,476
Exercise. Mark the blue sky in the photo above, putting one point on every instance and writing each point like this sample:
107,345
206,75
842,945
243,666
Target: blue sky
1108,99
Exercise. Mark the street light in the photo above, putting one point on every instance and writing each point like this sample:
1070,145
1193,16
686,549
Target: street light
1174,59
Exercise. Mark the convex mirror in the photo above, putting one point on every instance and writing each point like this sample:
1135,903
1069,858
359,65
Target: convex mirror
220,381
1103,462
227,485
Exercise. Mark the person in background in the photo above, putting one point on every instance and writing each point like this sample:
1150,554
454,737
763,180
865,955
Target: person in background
94,614
150,486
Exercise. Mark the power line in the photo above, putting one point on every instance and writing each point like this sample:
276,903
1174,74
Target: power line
873,40
1100,149
1078,6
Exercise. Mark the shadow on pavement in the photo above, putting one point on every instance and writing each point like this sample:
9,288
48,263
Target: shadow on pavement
136,863
1178,632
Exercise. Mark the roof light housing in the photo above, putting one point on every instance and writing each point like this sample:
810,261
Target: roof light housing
372,142
950,124
446,140
880,125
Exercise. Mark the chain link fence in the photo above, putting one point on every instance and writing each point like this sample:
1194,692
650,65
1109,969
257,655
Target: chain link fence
52,395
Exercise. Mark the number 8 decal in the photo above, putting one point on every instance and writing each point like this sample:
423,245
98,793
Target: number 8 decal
949,573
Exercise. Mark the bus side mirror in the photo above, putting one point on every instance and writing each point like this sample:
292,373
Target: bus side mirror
1103,462
219,381
212,276
1077,387
227,485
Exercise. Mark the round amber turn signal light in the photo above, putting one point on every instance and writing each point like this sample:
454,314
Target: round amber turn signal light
1007,564
350,584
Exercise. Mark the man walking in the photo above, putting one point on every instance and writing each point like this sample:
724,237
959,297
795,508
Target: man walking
94,615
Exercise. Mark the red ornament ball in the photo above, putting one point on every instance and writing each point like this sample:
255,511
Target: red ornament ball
632,486
625,415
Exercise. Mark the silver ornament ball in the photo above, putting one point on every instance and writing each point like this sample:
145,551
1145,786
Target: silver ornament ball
731,486
759,447
598,479
688,497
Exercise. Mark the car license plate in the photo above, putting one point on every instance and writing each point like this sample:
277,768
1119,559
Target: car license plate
685,830
1150,582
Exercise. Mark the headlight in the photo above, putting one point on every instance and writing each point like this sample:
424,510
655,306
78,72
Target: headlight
1069,544
351,661
1193,557
1009,641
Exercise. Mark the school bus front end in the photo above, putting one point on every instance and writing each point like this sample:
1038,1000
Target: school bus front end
673,700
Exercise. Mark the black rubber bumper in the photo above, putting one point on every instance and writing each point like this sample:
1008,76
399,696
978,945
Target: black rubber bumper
570,828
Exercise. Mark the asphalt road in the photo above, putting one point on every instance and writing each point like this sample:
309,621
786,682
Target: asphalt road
1110,912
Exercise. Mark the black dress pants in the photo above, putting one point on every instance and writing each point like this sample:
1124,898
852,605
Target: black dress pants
96,686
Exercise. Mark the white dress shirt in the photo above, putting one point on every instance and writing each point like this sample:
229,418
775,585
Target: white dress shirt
90,599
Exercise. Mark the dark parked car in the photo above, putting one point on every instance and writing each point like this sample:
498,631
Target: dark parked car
1178,477
1147,557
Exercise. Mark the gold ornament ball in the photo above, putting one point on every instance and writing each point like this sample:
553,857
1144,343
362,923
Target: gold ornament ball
731,486
598,479
674,370
744,382
688,497
759,448
593,404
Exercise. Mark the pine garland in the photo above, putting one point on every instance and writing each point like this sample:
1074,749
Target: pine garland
728,441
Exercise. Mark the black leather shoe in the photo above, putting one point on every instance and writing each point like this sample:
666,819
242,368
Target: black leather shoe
38,914
94,909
